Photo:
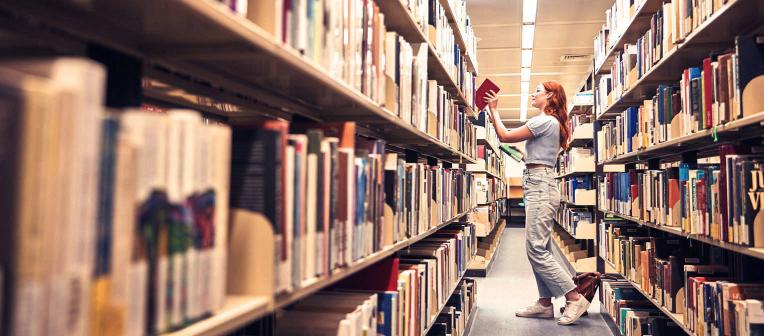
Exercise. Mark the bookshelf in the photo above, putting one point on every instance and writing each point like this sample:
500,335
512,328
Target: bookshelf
640,21
451,290
459,36
716,32
574,256
584,230
483,262
741,129
755,252
234,70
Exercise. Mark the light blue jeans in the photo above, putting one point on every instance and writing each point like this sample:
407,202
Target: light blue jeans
542,200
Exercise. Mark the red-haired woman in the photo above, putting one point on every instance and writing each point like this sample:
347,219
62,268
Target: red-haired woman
545,135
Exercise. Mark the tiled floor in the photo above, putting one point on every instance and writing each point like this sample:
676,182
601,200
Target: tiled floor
509,286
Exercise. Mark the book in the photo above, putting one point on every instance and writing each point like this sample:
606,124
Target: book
482,91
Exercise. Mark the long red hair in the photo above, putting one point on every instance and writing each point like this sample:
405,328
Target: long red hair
557,107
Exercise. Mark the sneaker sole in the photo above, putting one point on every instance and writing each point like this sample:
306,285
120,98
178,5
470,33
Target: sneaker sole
539,316
577,317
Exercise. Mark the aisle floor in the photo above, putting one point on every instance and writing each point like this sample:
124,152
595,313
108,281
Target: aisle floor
510,286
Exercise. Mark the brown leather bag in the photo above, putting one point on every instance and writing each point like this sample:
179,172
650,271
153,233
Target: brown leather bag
587,285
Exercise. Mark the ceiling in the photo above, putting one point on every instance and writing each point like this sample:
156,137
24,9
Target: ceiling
563,27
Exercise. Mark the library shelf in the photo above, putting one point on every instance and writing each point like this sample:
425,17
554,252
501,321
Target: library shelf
677,318
491,202
576,173
290,298
716,33
229,56
578,204
479,167
565,262
582,135
474,267
436,70
588,234
451,292
459,36
746,127
490,144
237,311
638,25
240,310
756,252
470,321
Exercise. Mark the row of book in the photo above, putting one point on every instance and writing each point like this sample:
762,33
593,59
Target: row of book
488,188
617,19
720,200
141,202
486,131
685,282
349,39
334,198
706,96
576,160
115,223
454,318
578,120
464,23
415,290
574,189
441,36
570,218
632,313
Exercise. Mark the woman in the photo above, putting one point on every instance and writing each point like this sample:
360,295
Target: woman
545,135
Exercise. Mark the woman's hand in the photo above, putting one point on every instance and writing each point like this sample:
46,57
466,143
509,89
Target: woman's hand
492,99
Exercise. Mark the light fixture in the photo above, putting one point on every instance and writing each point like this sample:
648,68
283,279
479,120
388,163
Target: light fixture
525,74
523,105
527,38
526,56
524,86
529,11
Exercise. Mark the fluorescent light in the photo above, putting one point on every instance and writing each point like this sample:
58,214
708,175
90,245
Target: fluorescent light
523,104
526,57
529,11
528,32
525,74
523,114
524,88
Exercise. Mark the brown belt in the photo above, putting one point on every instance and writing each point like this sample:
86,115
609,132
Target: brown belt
537,165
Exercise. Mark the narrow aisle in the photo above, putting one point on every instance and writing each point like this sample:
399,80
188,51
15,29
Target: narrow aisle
510,286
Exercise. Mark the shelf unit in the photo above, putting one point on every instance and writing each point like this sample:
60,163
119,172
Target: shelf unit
639,23
584,264
717,32
584,230
459,36
756,252
239,311
582,135
481,265
741,129
451,291
183,57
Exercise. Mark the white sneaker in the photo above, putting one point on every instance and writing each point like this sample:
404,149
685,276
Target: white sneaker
573,310
536,310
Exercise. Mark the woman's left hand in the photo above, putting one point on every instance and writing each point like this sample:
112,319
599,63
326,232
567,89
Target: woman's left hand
492,99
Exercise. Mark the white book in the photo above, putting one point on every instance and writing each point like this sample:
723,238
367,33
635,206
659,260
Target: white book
284,267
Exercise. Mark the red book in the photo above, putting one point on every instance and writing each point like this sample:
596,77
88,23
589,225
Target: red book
708,92
482,91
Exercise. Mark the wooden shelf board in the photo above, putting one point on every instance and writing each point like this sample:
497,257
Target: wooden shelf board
756,252
716,33
570,233
575,173
237,311
471,320
743,128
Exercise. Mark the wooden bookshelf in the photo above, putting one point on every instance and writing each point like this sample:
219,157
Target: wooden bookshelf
477,268
226,55
459,37
677,318
639,24
451,291
576,173
237,311
588,234
240,310
756,252
437,70
747,127
716,33
480,167
582,135
470,321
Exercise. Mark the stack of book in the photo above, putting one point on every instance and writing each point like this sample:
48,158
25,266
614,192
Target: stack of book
454,318
570,217
718,200
413,288
632,313
115,223
337,313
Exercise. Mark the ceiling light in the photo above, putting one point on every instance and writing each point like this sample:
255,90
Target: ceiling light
523,105
526,57
528,32
524,87
529,11
525,74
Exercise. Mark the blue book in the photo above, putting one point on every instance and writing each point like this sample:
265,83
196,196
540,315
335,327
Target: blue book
684,175
387,313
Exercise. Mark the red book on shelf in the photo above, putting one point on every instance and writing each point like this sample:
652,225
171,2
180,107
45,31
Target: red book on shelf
708,92
382,276
482,91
